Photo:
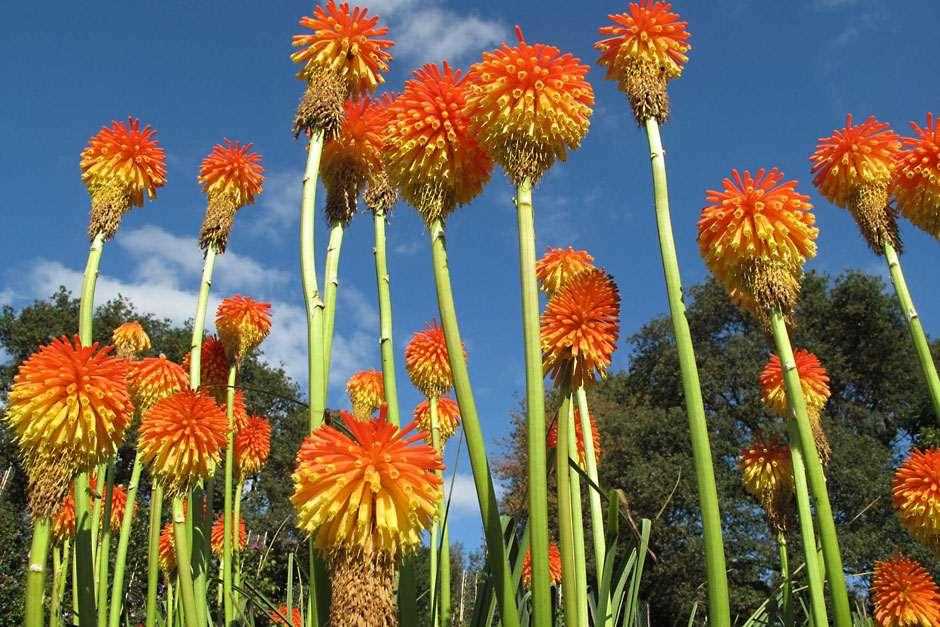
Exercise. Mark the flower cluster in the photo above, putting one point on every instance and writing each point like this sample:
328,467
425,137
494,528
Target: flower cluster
448,416
130,339
916,494
252,446
154,378
366,391
558,266
904,594
552,436
767,474
217,535
917,177
554,566
427,361
231,176
242,323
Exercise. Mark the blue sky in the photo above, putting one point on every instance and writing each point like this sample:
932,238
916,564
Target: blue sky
764,81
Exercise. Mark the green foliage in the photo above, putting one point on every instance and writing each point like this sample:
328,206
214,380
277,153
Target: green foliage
879,406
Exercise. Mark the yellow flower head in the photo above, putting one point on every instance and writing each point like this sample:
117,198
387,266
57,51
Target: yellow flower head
129,339
559,265
242,323
448,417
154,378
528,105
366,391
427,361
767,474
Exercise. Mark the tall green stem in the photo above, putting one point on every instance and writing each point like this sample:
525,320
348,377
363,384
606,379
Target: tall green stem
569,579
184,565
236,527
60,576
476,447
814,571
787,608
318,599
104,551
386,340
36,579
153,552
594,498
922,348
120,559
330,287
719,613
444,568
290,587
814,473
577,519
84,554
535,407
227,598
199,321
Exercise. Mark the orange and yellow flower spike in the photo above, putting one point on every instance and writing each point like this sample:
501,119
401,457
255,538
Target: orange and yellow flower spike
366,391
904,594
554,566
916,494
916,182
154,378
231,176
448,414
767,475
252,446
130,339
242,323
218,529
427,363
559,265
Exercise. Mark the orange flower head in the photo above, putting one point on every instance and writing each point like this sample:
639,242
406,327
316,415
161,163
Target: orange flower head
904,594
554,566
119,165
129,339
68,409
252,446
277,618
242,323
642,50
118,505
231,176
213,367
181,438
345,43
552,436
370,492
154,378
767,475
917,177
354,157
755,235
529,104
427,361
852,168
916,494
217,537
580,327
167,549
559,265
366,391
448,416
239,410
813,379
433,157
63,520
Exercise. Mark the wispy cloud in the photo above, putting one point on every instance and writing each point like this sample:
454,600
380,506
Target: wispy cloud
279,206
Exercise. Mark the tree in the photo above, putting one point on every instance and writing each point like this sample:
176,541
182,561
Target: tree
878,407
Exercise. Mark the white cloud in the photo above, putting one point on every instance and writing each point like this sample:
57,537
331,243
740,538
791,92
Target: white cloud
464,495
278,207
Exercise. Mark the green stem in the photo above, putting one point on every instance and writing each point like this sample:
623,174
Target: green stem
317,600
386,340
443,601
330,287
476,447
787,609
36,579
59,578
236,527
74,588
577,519
924,356
153,552
104,551
814,473
569,580
535,407
84,553
227,598
290,587
594,498
117,586
719,613
199,321
814,571
171,601
183,565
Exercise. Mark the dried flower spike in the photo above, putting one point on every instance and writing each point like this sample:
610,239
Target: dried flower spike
130,339
917,177
852,168
433,159
231,176
121,163
529,105
644,49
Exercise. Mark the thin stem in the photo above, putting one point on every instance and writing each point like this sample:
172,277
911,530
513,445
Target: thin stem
104,551
84,553
60,576
120,559
813,570
719,613
535,407
236,526
36,579
922,348
577,519
183,565
569,580
227,598
172,597
386,340
476,447
290,587
318,599
814,473
444,549
787,609
594,498
330,287
153,552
